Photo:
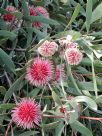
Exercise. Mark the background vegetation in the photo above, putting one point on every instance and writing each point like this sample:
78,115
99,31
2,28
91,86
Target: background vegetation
83,20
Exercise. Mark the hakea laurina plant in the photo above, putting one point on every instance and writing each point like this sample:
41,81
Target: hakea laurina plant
42,72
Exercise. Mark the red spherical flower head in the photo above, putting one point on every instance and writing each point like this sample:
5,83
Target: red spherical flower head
32,12
26,113
73,56
62,110
9,17
48,48
40,72
42,11
59,73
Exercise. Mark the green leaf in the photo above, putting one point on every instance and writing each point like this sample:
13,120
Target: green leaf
7,106
86,86
29,133
97,47
90,102
2,90
74,115
8,34
18,15
7,60
2,24
52,125
86,47
59,129
3,11
42,19
34,92
2,41
25,8
94,77
75,14
81,128
14,87
97,13
16,3
88,14
56,98
99,99
38,33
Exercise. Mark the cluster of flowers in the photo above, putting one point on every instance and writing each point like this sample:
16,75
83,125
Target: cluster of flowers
33,11
28,112
41,70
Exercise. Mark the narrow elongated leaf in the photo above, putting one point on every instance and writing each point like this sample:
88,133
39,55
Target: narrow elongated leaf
97,13
75,14
13,88
16,3
18,15
51,125
85,45
74,115
7,106
2,41
81,128
88,14
94,77
29,133
42,19
38,33
99,99
2,90
2,24
56,98
25,8
90,102
59,129
8,34
7,61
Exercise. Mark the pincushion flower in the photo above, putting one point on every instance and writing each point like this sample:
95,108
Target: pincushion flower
32,12
42,11
9,17
40,72
26,113
48,48
36,11
73,56
59,73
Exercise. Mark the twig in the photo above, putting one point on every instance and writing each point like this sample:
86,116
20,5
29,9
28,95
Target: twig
16,49
9,125
82,117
